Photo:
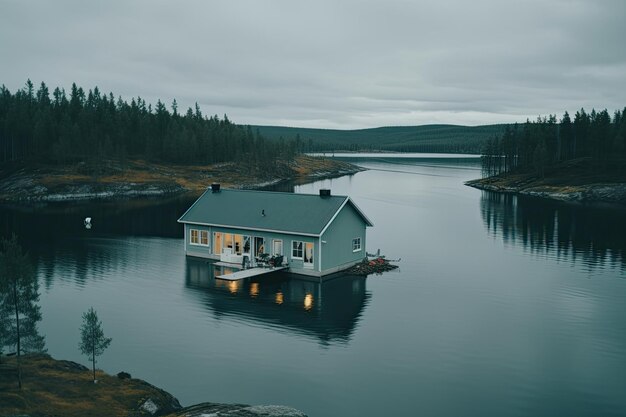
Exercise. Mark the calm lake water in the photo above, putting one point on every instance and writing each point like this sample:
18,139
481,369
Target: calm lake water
502,306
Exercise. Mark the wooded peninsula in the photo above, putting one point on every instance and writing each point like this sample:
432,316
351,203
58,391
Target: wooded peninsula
88,144
576,160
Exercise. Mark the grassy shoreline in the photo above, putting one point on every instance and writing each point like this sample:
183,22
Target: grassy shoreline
61,388
133,178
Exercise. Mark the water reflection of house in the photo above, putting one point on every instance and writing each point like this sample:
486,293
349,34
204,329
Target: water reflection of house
328,311
317,235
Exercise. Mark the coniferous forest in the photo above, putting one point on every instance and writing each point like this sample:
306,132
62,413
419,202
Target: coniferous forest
37,125
60,128
595,138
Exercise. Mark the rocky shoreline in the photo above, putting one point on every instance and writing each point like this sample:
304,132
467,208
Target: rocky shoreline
594,193
238,410
64,388
141,179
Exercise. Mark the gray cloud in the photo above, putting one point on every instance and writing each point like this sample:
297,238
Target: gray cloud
348,64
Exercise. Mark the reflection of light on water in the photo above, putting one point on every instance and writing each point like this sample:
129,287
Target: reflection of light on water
279,297
254,289
233,286
308,301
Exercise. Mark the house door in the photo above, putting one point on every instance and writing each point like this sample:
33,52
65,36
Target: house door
277,247
217,243
308,255
259,246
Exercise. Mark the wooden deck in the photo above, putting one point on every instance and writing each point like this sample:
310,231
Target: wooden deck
247,273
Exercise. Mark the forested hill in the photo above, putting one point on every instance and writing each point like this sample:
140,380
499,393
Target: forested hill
426,138
548,142
56,127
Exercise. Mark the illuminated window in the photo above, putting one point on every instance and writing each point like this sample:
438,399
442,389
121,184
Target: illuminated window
228,241
237,239
356,244
204,237
296,249
217,243
308,255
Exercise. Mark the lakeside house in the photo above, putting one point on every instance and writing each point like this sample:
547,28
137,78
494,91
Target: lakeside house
316,235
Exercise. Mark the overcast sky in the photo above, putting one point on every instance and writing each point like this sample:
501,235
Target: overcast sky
329,63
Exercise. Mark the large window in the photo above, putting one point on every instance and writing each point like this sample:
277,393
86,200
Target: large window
356,244
237,244
199,237
296,249
228,241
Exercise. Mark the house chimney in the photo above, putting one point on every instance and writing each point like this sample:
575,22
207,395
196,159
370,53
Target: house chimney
215,187
324,192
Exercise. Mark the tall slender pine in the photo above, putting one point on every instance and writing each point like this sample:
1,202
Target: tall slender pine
93,343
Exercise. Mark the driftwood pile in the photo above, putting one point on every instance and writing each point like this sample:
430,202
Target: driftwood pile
372,266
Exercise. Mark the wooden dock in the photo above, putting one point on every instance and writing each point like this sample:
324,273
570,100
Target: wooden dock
247,273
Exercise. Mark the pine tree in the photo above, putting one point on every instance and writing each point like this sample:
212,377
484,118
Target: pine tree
19,293
541,158
581,128
4,329
92,340
567,137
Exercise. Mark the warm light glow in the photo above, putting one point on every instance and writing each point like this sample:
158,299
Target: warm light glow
308,301
254,289
233,286
279,297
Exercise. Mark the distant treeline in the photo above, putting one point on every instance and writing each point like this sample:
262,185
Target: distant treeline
426,138
547,142
37,126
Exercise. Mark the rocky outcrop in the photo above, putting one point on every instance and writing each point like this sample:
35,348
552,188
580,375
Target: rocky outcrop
159,402
238,410
29,186
609,193
110,180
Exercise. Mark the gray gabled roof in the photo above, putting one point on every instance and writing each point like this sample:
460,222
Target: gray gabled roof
305,214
